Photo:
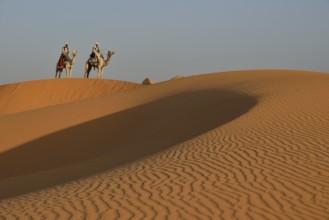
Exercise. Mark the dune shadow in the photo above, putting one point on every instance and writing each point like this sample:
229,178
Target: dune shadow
118,138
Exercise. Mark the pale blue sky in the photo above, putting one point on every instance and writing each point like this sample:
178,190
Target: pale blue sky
162,39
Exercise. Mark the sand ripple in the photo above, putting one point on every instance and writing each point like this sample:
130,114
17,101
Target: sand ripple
271,161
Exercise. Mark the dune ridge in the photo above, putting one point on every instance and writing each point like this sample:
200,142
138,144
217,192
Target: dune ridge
235,145
19,97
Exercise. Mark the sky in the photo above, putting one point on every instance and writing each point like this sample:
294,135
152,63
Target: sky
161,39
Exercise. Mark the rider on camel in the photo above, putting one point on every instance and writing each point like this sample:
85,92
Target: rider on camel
96,52
65,51
64,55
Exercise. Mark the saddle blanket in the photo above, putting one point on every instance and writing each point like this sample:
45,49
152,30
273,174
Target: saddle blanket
93,60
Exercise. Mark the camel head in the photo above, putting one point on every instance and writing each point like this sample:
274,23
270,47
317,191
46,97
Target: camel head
74,52
110,53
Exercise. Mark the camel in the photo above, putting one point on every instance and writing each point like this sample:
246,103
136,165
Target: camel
68,65
99,65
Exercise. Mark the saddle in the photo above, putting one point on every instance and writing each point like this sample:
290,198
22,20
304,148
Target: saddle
61,62
93,59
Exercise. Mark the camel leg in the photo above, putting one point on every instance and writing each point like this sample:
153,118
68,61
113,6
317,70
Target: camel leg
70,72
98,74
101,73
56,72
87,70
88,73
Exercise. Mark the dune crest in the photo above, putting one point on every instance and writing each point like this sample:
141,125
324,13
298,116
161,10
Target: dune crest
177,77
232,145
19,97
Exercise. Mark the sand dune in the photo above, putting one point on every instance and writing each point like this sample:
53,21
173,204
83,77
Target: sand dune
19,97
233,145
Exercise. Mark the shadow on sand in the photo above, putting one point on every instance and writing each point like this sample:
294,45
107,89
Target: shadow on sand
116,139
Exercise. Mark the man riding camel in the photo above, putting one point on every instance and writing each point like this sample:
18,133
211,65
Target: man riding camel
64,55
66,51
96,53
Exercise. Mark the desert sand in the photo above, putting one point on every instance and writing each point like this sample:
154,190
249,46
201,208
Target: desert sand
231,145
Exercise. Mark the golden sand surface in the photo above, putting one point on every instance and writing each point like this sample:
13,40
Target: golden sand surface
232,145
